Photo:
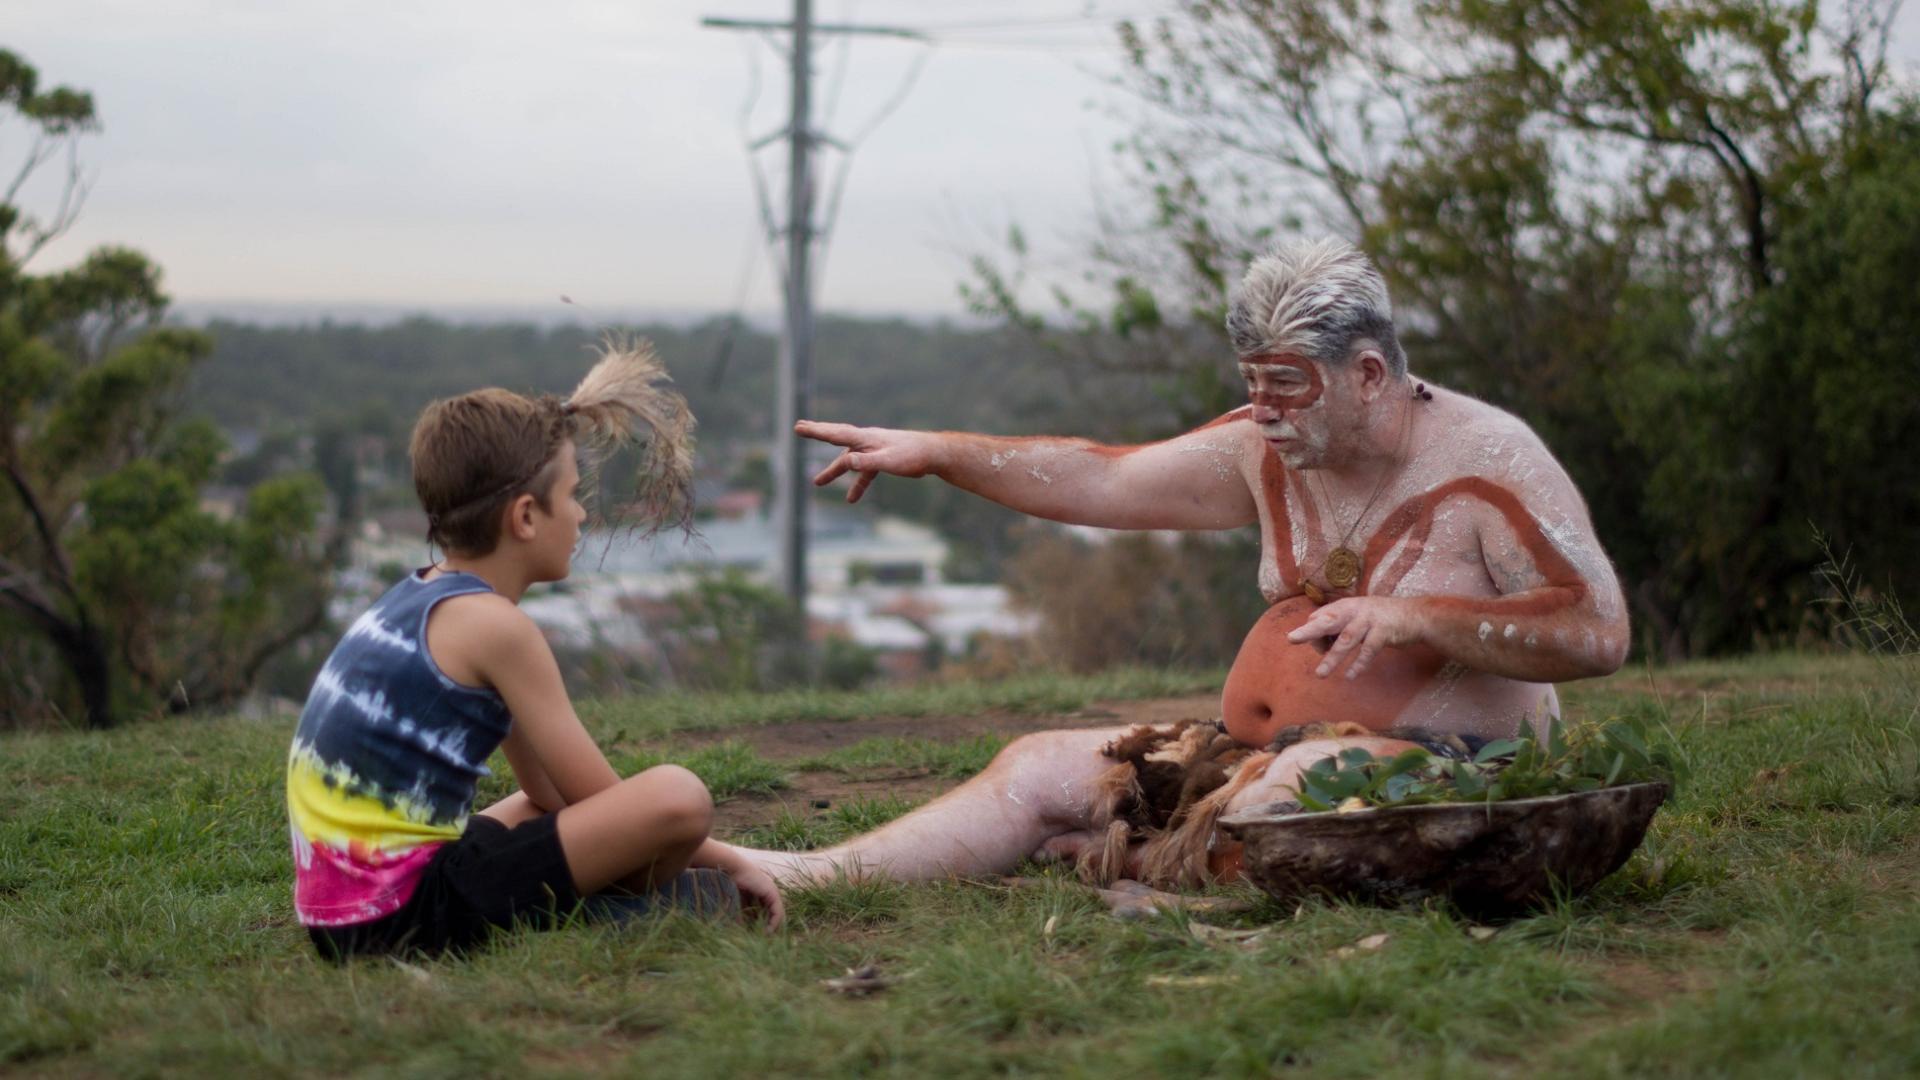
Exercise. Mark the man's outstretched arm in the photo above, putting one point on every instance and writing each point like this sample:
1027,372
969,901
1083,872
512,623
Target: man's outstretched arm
1196,481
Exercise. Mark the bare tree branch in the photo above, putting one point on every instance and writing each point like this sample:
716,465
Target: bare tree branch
20,588
49,542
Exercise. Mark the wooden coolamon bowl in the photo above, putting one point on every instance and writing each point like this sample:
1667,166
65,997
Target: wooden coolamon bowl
1489,859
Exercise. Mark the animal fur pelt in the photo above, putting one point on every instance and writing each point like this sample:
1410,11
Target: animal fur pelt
1165,794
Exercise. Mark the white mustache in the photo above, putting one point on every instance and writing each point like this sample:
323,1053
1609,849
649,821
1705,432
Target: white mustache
1279,430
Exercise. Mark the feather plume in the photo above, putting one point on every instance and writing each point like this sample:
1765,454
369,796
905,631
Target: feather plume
628,389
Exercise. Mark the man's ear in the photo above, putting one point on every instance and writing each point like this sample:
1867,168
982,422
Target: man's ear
1374,374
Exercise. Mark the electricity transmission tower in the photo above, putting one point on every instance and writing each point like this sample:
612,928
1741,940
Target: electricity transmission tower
795,383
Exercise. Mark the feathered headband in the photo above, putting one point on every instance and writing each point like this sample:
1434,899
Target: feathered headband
628,389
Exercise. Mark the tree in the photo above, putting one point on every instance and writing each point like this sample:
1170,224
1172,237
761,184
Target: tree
727,633
138,593
1179,603
1586,210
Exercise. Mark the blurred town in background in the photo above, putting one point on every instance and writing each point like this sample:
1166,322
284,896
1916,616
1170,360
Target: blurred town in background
918,581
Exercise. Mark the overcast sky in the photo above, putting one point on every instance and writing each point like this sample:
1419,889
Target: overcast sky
506,153
496,153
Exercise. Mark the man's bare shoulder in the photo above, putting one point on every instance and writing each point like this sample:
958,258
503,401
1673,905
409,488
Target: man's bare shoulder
1231,419
1232,432
1485,440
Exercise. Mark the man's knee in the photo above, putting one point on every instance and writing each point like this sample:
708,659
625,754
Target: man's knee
1053,755
1035,746
1295,759
1048,774
1281,778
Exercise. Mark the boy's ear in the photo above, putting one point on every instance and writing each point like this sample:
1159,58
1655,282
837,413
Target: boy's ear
520,518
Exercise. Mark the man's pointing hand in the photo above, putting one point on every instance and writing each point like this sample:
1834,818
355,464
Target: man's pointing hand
870,452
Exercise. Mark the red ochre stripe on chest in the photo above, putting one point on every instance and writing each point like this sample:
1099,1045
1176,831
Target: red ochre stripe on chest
1413,521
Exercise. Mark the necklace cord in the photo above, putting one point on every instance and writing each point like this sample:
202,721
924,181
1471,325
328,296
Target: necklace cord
1350,563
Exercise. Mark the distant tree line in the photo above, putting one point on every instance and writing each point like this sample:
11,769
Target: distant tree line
324,385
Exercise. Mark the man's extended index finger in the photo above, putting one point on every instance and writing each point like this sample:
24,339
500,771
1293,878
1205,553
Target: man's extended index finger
837,434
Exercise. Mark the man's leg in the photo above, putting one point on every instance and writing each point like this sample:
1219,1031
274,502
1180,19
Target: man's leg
1282,778
1039,787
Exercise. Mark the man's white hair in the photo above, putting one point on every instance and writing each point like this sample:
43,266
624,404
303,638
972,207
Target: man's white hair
1316,298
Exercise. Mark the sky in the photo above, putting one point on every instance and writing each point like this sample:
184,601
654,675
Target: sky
489,153
501,155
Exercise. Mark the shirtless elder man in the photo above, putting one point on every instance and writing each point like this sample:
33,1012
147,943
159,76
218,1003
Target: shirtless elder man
1432,571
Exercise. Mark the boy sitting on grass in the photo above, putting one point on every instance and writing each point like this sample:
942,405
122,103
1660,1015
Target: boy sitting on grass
445,667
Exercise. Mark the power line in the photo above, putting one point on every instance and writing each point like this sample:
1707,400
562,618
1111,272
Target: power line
1060,21
801,235
796,352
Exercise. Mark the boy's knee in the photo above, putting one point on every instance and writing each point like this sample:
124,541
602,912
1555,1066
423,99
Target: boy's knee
680,799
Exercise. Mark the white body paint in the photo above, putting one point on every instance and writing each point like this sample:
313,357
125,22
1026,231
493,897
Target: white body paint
1457,437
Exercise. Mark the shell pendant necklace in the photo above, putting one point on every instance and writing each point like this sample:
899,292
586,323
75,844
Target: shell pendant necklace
1342,567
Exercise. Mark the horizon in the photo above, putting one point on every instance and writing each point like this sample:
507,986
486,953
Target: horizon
375,314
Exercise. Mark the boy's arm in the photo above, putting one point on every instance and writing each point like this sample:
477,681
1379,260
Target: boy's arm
533,778
552,755
514,658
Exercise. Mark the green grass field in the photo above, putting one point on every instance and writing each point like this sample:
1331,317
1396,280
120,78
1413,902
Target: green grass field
1769,927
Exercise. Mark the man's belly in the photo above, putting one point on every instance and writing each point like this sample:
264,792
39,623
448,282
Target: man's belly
1273,686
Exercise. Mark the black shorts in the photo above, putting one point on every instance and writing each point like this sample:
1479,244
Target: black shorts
492,877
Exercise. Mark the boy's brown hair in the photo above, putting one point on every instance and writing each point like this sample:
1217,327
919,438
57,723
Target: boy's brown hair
476,453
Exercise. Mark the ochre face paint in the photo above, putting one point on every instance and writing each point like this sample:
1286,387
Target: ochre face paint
1283,401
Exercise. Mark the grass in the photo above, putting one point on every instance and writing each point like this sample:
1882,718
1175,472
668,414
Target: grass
951,759
729,769
650,716
799,832
1769,926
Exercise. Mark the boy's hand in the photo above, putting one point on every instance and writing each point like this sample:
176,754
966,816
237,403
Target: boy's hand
758,891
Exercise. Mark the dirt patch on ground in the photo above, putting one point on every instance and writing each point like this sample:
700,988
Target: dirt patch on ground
1641,983
785,742
819,792
807,791
1898,872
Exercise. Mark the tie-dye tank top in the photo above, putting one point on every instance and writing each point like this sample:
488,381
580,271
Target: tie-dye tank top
384,762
